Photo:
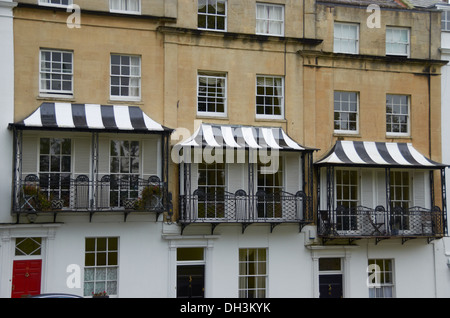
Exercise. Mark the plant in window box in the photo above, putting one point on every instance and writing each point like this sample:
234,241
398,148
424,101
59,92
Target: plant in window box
102,294
150,198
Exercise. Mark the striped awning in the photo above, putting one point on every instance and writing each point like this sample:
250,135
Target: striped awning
90,117
367,153
242,137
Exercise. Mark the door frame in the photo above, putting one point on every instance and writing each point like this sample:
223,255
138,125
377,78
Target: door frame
8,234
344,252
175,241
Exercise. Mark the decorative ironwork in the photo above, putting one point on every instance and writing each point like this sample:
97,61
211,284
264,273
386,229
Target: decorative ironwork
111,193
364,222
241,207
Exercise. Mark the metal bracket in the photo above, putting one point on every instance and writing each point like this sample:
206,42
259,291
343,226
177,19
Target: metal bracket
244,226
272,226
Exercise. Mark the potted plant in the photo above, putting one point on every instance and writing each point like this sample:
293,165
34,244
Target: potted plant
150,197
44,203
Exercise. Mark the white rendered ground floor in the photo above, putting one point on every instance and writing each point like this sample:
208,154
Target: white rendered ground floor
144,258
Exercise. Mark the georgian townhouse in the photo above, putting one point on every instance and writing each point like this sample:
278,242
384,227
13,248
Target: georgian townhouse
90,152
234,148
441,247
377,109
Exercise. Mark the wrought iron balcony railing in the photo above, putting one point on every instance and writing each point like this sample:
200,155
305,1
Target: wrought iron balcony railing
240,207
363,222
59,192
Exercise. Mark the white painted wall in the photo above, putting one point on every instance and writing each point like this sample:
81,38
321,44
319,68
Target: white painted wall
7,105
147,262
442,252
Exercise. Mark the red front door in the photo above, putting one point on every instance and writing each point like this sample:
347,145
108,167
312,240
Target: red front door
26,278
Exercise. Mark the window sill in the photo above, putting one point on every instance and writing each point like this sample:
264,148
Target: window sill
269,34
347,134
212,116
122,101
398,55
56,97
352,53
389,136
275,119
125,12
212,30
55,5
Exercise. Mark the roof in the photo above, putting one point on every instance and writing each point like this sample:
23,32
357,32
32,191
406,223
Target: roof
90,117
426,3
241,137
376,154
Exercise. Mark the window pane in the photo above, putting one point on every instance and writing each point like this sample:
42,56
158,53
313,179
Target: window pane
212,14
346,111
252,272
190,254
397,114
397,41
28,246
329,264
269,19
211,93
269,96
346,38
125,75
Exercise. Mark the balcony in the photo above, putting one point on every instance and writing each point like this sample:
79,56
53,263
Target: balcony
61,194
89,158
363,222
243,208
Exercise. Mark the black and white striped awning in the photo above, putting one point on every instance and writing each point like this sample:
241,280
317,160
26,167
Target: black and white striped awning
241,137
90,117
367,153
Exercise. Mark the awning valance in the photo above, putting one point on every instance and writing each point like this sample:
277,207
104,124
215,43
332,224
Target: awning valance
367,153
242,137
90,117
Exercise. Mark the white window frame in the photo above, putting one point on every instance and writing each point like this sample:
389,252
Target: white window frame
377,273
346,221
50,4
392,113
52,188
129,76
267,21
269,116
95,267
348,112
401,222
52,92
268,177
120,174
124,4
445,19
216,16
354,42
243,290
389,41
217,77
212,207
